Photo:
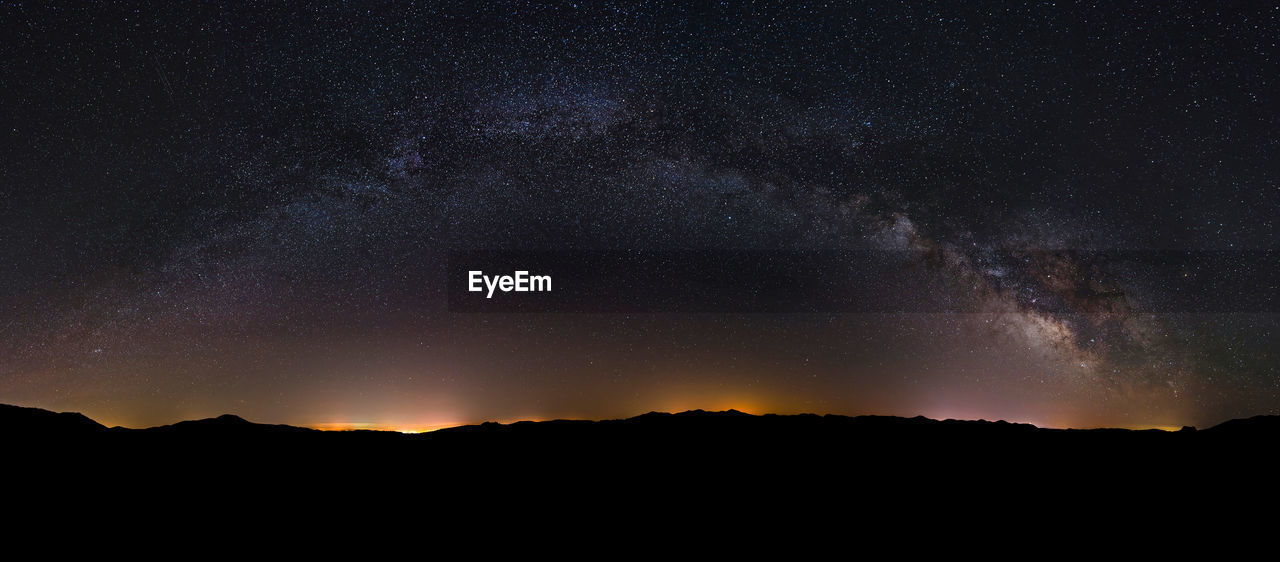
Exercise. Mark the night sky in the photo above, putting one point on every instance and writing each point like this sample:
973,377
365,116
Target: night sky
249,208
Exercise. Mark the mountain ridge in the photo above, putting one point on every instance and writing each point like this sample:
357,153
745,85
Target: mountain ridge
17,418
657,454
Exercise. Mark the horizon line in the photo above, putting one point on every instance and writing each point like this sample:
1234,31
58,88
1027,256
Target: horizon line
338,426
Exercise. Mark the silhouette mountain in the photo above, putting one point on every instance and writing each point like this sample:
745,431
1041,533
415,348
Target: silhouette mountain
1259,426
799,462
228,424
16,421
27,421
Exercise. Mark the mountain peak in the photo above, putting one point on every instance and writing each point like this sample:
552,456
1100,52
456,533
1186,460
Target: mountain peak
35,420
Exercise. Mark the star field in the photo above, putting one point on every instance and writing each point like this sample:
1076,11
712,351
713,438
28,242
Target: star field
247,209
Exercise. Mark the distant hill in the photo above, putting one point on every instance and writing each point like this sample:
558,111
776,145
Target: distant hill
807,464
1257,425
226,424
25,421
19,421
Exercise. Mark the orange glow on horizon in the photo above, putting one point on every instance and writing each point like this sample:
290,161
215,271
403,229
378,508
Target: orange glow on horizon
370,426
1159,427
745,407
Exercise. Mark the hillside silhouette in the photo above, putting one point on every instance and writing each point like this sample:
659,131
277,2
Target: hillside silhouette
693,428
695,433
798,461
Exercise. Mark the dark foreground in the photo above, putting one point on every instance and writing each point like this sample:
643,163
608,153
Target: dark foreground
729,462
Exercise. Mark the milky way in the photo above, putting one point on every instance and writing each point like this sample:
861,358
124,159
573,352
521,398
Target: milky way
214,209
